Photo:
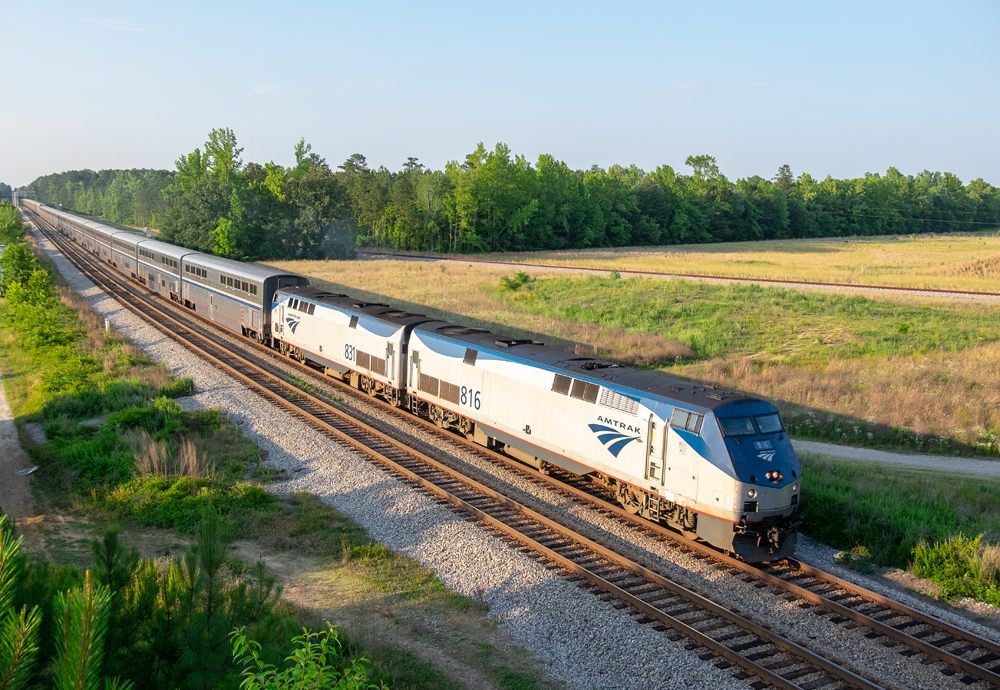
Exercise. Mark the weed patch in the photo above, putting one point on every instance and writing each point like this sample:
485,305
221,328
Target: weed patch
963,567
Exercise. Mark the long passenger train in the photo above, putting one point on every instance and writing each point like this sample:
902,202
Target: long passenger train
714,465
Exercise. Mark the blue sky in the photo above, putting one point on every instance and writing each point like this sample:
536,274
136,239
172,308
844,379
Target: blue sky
829,88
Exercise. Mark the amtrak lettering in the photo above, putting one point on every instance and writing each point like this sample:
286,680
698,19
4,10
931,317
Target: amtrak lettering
614,438
620,425
293,322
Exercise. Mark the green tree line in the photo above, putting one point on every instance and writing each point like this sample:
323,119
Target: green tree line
494,200
125,197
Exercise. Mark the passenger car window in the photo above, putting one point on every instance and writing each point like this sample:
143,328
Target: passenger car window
769,423
737,426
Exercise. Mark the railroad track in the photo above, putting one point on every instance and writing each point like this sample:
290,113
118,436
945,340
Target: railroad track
651,596
967,294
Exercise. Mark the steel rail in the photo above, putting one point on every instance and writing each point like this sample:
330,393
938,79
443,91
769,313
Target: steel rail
660,274
824,590
545,537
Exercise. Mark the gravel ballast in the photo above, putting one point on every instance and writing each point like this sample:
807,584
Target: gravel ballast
583,641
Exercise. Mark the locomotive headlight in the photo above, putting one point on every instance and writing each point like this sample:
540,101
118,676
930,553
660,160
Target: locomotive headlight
795,487
752,493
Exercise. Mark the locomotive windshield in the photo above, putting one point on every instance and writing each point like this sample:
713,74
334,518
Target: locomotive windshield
737,426
769,423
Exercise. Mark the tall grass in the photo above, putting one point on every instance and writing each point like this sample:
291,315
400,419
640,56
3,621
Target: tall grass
154,457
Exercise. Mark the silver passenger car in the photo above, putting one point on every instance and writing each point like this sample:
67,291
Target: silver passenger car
234,294
124,246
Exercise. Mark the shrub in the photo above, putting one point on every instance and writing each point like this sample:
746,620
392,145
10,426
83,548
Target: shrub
180,388
962,567
514,284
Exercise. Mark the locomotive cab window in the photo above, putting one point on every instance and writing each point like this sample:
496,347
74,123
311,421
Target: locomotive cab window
737,426
689,421
769,423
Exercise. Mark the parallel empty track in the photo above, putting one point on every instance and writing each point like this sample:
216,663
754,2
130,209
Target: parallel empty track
931,292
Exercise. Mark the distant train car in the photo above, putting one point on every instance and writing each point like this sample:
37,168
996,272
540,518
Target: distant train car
124,250
160,267
235,295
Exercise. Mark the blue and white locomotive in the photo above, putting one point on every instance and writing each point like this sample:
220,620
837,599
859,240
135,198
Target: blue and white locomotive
714,465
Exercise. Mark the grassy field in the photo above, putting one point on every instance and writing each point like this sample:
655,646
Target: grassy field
966,262
893,372
898,517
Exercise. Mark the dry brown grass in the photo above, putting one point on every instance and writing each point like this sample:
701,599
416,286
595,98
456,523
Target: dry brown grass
955,395
154,457
455,295
981,268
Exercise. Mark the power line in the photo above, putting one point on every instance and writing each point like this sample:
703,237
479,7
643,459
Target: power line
922,220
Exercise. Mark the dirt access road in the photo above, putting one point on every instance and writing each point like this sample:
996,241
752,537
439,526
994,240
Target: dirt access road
15,491
931,463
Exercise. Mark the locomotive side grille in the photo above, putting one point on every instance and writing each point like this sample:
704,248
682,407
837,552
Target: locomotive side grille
561,384
616,401
428,384
449,392
378,366
584,391
364,360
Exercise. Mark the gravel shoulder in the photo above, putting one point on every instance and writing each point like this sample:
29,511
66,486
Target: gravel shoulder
933,463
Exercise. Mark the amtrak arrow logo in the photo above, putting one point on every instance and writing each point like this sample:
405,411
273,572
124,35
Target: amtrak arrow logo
766,457
612,439
293,323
